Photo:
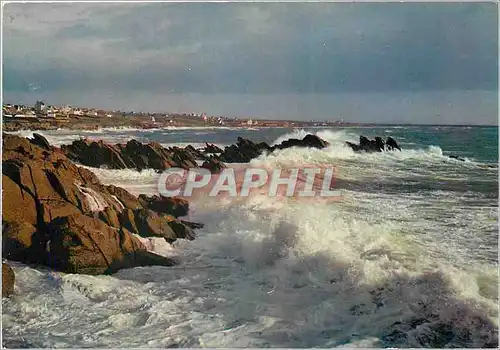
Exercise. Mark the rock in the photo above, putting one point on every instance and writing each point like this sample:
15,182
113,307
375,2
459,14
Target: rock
18,204
131,155
110,216
152,224
214,165
353,146
195,153
193,225
462,159
14,143
54,212
181,230
175,206
8,280
94,154
379,144
151,156
245,150
211,148
376,145
81,244
148,223
392,144
311,141
182,158
127,220
40,141
21,242
53,191
126,199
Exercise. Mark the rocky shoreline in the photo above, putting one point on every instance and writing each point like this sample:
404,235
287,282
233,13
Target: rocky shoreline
59,215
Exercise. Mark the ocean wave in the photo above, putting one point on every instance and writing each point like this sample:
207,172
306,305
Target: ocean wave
258,274
376,269
432,154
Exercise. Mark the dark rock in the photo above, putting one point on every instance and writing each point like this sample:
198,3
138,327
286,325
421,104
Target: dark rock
376,145
246,150
457,158
8,280
392,144
214,165
354,147
131,155
196,154
182,158
40,141
175,206
311,141
379,144
181,230
193,225
94,154
152,224
211,148
20,240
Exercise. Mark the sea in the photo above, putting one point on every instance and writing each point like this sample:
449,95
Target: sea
407,258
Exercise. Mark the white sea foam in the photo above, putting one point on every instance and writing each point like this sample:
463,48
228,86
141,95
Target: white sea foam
119,202
278,273
255,276
94,199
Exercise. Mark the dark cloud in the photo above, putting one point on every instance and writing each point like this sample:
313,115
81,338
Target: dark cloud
252,48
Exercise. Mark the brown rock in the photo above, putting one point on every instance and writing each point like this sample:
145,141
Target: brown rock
126,198
58,214
17,204
131,155
152,224
211,148
8,280
127,220
94,154
214,165
175,206
17,241
181,230
110,217
81,244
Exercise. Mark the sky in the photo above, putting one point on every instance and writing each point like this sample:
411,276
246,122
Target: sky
360,62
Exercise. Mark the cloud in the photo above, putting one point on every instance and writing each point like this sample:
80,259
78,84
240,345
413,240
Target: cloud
251,48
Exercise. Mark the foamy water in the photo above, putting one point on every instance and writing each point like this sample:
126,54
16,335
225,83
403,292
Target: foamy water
407,240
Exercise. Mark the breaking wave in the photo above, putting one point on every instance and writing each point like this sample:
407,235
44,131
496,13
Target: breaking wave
388,266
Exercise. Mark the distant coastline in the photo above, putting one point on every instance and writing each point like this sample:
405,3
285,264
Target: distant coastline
17,117
96,123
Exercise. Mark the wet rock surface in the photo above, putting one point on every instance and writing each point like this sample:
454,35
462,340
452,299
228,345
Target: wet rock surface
377,145
60,215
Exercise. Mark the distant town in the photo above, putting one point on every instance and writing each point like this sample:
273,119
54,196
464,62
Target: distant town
43,116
